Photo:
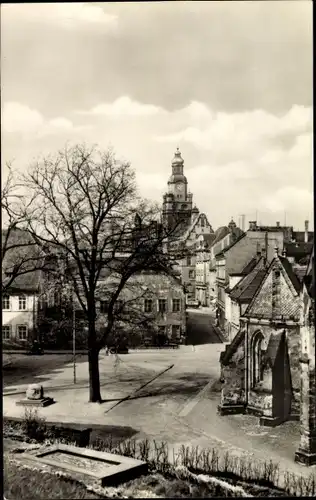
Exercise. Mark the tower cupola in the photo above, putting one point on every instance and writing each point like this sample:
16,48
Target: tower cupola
177,168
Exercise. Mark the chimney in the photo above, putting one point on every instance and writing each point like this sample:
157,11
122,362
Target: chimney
252,225
306,232
243,222
278,223
284,252
258,251
276,251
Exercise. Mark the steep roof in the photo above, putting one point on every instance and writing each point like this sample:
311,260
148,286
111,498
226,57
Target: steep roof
298,250
238,238
208,239
261,304
291,274
245,290
231,348
220,233
300,271
250,266
188,231
24,283
309,279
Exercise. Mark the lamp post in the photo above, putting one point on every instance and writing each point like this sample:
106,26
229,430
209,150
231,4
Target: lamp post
74,335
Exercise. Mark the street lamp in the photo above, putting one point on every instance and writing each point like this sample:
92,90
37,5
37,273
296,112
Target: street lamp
74,335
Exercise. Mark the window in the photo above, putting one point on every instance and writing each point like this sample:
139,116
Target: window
148,305
176,305
192,274
188,261
256,358
162,330
162,305
6,302
6,332
176,331
202,222
22,303
104,306
22,332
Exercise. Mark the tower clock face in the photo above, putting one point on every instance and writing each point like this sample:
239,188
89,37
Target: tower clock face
179,187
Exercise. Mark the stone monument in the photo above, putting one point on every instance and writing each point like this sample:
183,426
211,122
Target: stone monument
35,397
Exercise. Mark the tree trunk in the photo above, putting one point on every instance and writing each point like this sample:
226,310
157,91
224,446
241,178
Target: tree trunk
94,377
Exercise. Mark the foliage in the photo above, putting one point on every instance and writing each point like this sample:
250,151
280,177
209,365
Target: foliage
34,425
29,483
257,478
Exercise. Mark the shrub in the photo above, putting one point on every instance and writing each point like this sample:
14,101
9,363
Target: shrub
34,425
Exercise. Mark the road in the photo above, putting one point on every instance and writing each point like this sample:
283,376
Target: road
178,407
200,329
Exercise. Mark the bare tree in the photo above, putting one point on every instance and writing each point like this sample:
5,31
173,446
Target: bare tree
20,253
85,204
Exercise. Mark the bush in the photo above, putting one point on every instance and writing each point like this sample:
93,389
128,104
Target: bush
34,425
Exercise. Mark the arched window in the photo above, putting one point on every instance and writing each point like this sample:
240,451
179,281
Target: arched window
256,354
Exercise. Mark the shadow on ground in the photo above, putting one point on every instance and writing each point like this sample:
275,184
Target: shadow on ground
24,369
185,386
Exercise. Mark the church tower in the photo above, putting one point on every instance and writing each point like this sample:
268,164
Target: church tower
177,202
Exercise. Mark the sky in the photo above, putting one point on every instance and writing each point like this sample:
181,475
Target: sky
229,83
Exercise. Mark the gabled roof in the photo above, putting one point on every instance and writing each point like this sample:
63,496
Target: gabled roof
231,348
220,233
250,266
291,274
207,239
222,252
300,271
194,223
265,307
29,282
245,290
309,279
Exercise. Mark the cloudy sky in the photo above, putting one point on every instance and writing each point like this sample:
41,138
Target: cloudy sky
230,83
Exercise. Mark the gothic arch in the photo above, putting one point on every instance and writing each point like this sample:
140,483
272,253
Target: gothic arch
256,358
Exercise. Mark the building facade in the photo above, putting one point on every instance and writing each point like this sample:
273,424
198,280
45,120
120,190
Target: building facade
261,366
237,259
20,309
151,307
306,452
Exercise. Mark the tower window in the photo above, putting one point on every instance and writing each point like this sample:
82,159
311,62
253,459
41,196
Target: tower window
256,358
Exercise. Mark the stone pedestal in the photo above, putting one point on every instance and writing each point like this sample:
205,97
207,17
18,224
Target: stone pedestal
306,453
35,397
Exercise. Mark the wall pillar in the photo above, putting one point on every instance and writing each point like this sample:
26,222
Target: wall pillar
306,453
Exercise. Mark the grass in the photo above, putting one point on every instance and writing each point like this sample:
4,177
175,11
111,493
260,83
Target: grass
21,482
258,478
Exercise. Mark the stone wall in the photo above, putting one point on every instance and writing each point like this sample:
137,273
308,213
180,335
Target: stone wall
233,374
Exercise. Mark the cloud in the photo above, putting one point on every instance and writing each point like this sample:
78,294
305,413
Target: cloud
123,106
17,117
284,198
234,136
66,15
241,158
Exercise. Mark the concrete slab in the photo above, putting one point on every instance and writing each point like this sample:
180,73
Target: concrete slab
106,469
